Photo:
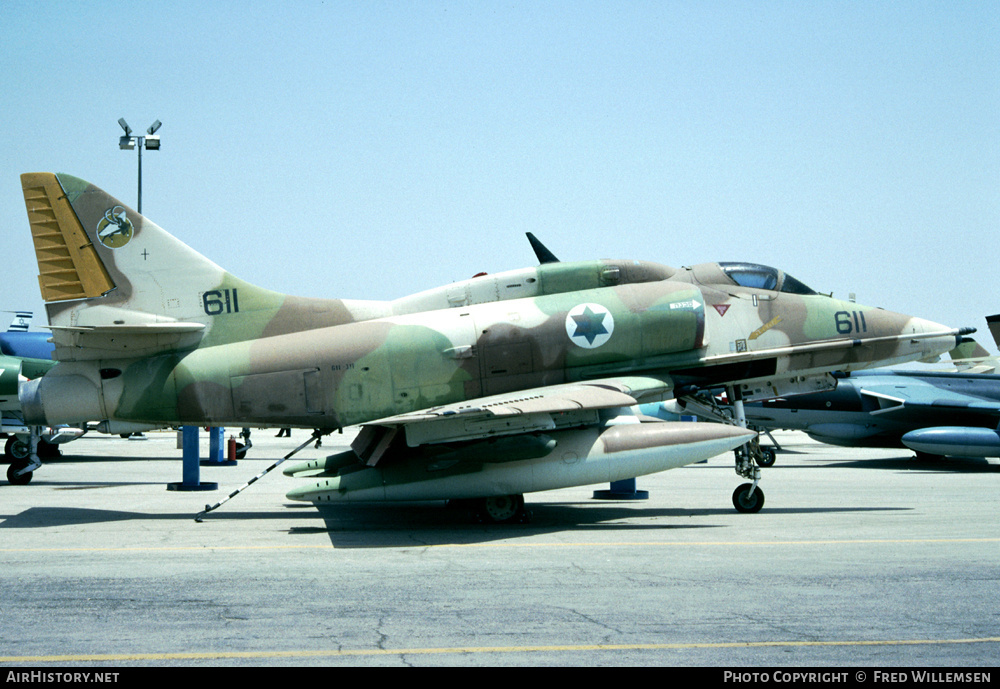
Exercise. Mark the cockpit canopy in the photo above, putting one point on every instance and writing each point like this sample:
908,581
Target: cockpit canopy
758,276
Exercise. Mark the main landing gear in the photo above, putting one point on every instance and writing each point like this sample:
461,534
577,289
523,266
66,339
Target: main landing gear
499,509
23,457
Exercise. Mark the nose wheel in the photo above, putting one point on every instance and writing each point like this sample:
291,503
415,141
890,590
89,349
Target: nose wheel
748,498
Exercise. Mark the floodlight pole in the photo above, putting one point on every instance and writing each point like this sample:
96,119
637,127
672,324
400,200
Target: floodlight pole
128,142
141,143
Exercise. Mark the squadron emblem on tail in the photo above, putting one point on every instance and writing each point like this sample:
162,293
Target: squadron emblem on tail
115,229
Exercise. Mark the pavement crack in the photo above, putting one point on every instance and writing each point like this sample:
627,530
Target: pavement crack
594,621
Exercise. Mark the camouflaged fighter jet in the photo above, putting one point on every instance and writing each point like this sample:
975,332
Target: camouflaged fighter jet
483,389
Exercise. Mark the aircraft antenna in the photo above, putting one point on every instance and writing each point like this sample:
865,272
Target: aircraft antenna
541,251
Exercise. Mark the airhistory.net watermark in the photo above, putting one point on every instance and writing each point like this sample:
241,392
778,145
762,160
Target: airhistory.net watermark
43,677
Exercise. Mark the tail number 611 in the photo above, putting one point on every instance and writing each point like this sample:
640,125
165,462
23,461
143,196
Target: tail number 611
219,301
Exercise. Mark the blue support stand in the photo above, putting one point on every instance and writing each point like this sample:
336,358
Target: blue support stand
622,490
191,471
216,449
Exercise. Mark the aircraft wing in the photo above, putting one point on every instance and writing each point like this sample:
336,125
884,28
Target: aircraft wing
922,399
523,411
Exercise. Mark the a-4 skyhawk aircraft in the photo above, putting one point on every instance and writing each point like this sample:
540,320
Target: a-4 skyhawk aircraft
481,390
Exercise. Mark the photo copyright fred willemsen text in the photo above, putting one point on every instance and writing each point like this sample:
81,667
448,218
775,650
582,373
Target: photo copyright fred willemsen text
784,676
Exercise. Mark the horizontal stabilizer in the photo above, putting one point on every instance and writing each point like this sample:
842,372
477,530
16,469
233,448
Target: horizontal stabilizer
112,341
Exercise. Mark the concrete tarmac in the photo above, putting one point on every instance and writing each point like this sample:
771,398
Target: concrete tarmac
860,558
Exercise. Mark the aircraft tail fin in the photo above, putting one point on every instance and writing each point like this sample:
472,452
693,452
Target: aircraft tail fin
968,349
993,322
22,319
90,245
117,284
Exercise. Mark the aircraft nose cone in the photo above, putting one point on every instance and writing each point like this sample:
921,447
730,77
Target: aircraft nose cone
888,338
922,325
932,339
929,329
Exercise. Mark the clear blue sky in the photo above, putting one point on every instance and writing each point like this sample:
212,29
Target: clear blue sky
372,149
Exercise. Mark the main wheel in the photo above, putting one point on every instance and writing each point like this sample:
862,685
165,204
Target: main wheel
16,449
23,479
746,503
503,509
766,457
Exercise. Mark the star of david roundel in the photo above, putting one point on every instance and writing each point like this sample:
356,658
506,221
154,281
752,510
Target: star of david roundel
589,325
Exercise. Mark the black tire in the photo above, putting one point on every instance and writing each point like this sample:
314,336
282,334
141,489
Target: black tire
503,509
16,449
23,479
766,458
745,504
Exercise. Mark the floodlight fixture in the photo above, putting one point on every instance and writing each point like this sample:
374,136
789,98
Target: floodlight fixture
129,142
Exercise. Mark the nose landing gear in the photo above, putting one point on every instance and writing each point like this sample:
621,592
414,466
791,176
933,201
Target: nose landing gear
748,498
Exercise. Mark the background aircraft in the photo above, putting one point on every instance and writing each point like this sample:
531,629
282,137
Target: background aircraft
482,389
17,448
935,413
25,355
19,341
